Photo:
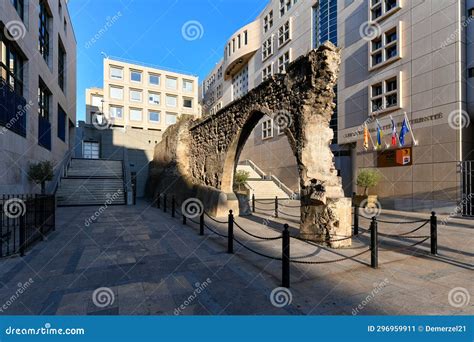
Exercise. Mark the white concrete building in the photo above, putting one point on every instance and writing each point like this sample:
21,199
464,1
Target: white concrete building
37,88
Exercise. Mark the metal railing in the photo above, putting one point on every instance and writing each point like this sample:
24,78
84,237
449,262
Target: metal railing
59,173
467,176
24,220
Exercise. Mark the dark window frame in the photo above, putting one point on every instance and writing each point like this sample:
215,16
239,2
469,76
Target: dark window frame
11,70
44,100
43,29
19,7
62,121
62,58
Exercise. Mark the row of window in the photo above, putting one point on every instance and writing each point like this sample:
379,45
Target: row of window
136,95
285,6
380,9
385,94
283,62
268,129
284,36
136,76
236,43
136,114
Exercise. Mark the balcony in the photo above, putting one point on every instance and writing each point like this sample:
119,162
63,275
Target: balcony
44,133
13,110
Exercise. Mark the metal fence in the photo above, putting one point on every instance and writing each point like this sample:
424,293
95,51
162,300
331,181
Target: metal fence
467,201
24,220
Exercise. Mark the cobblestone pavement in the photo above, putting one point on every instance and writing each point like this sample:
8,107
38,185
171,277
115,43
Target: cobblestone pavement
140,261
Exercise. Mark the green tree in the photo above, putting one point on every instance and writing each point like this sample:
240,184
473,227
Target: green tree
240,178
367,179
40,173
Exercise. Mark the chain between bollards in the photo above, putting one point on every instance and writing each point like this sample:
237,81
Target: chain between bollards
374,248
285,258
434,233
230,234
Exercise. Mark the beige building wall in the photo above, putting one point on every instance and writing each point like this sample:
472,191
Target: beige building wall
94,103
16,151
431,70
185,94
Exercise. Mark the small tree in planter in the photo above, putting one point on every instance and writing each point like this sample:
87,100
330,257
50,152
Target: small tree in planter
367,179
40,173
240,178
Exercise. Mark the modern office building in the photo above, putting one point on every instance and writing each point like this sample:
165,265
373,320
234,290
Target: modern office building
37,88
415,58
136,96
398,56
131,112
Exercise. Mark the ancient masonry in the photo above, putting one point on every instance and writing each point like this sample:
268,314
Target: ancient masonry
197,159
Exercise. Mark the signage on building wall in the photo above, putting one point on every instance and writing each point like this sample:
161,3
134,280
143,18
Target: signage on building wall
392,158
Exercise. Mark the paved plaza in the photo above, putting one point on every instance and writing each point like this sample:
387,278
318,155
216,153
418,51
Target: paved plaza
139,261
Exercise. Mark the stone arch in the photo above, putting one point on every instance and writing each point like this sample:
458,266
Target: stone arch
208,149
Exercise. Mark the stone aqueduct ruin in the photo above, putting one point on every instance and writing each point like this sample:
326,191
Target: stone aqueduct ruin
197,158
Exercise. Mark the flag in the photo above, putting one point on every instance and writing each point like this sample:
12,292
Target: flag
366,138
379,135
403,132
394,133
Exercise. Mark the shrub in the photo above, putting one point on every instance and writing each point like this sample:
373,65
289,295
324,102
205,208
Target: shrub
240,178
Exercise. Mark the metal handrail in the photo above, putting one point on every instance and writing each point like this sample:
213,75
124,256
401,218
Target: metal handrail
61,171
258,170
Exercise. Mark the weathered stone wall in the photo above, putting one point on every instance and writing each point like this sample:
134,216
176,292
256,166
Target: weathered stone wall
203,154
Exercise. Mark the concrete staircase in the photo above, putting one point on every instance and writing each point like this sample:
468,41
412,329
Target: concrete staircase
92,182
261,185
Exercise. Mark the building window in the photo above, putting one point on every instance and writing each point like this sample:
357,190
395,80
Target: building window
154,98
11,66
325,22
386,48
246,37
284,34
116,112
385,95
96,101
116,73
20,7
171,118
267,48
267,129
268,22
61,66
471,72
136,76
188,86
471,12
171,101
44,96
171,83
267,72
154,80
65,26
135,114
61,124
283,62
44,124
135,95
43,43
116,93
380,9
154,116
187,103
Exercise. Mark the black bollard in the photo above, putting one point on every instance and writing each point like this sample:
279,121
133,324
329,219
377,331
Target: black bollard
374,260
201,224
356,220
285,258
173,207
230,234
253,203
276,206
184,218
434,233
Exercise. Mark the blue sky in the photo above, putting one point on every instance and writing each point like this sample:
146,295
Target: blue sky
150,31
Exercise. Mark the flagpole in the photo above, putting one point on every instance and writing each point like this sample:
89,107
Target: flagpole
415,142
370,136
381,132
396,133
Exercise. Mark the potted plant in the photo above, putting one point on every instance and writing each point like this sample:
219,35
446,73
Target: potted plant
240,178
367,178
40,173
